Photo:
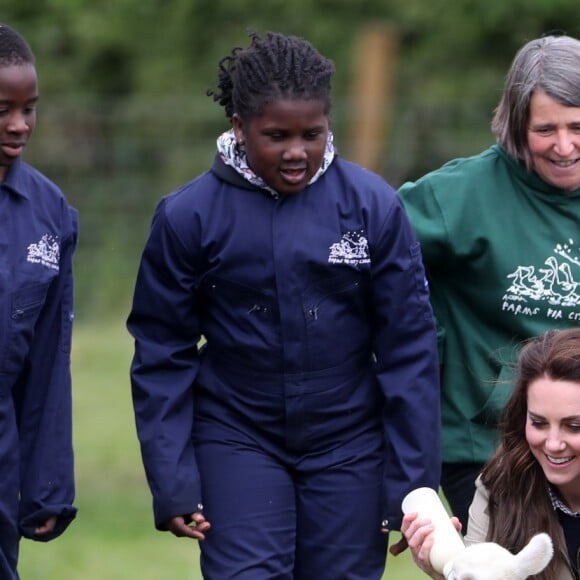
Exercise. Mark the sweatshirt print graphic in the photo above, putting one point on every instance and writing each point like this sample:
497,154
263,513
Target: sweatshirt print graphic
550,289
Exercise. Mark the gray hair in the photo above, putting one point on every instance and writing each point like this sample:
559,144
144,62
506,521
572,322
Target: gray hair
549,63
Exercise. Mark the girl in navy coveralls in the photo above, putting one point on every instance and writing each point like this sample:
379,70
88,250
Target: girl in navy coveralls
37,238
290,438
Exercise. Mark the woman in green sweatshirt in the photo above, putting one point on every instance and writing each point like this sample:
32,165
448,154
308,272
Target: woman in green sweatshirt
500,236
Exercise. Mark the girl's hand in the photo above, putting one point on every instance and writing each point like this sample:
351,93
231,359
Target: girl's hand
196,529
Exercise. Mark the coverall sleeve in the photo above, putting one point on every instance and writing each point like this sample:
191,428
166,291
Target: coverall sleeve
43,404
165,326
430,228
407,364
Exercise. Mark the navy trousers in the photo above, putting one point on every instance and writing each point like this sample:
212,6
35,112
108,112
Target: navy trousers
9,489
458,484
312,516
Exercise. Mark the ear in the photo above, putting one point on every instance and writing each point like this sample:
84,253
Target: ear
535,556
238,127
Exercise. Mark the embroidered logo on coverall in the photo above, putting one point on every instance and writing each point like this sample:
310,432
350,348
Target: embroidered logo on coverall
353,248
45,252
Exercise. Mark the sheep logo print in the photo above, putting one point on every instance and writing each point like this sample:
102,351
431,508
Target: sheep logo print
551,289
352,249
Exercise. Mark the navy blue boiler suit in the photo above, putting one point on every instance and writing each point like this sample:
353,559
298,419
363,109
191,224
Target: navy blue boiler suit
38,234
313,406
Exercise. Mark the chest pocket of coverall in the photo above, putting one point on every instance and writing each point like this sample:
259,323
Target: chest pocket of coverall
337,315
235,314
23,314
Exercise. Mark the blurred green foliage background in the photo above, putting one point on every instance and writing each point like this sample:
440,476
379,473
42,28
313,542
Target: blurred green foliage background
124,119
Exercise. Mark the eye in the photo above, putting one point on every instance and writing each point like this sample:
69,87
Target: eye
543,131
537,423
274,134
313,135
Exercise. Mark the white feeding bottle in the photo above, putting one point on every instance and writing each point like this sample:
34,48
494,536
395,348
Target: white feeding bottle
447,542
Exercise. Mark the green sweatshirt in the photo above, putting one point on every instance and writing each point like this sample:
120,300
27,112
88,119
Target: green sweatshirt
502,252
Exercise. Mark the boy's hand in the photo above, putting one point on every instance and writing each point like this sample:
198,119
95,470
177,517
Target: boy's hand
47,527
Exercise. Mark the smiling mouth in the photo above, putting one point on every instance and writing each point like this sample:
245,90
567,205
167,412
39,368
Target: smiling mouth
564,163
559,460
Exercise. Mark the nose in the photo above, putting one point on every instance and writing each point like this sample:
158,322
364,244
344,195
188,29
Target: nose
18,123
564,143
296,150
554,441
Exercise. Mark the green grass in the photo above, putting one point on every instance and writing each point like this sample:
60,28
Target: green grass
113,537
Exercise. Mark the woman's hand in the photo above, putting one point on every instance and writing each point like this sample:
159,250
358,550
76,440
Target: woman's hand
195,529
419,535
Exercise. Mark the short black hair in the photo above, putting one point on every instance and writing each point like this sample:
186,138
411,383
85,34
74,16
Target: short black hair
273,67
14,50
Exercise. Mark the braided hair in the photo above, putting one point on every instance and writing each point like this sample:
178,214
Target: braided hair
14,50
271,68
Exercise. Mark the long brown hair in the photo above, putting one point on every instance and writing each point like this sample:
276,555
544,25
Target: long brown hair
519,504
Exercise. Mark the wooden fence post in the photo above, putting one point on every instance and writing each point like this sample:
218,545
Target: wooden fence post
371,98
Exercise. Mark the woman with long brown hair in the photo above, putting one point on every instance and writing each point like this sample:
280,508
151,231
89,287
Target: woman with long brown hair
532,484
